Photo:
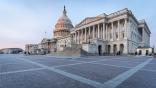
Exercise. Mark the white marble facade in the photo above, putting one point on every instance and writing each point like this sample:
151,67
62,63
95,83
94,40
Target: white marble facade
116,33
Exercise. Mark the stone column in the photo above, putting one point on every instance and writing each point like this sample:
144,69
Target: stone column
89,34
78,36
85,34
81,35
112,32
106,33
103,31
75,37
98,30
93,31
118,29
111,50
125,28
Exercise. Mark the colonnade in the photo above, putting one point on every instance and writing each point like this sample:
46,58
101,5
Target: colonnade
111,31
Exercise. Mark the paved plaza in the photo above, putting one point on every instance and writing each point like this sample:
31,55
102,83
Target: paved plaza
19,71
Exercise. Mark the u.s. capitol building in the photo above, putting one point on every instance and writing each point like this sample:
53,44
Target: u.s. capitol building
118,33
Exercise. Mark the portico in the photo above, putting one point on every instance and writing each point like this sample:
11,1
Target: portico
114,31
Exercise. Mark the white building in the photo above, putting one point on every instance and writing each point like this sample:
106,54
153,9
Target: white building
106,34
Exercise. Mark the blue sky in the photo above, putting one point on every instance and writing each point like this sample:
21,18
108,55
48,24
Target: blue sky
25,21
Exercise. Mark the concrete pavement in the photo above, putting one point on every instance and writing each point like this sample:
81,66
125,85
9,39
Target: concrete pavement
18,71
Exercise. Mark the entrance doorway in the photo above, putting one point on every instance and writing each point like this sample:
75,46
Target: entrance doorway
108,49
115,49
100,50
121,49
140,52
146,52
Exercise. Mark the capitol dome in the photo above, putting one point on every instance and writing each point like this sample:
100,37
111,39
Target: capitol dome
63,25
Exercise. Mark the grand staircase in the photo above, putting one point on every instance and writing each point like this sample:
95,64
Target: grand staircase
75,50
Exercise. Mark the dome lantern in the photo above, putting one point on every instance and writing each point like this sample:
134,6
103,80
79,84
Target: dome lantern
64,11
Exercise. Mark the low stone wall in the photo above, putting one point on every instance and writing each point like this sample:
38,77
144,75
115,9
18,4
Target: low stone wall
84,53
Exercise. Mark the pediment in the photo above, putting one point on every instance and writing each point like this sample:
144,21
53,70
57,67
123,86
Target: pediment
88,20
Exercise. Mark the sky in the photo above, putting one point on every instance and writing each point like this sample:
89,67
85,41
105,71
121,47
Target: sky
26,21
